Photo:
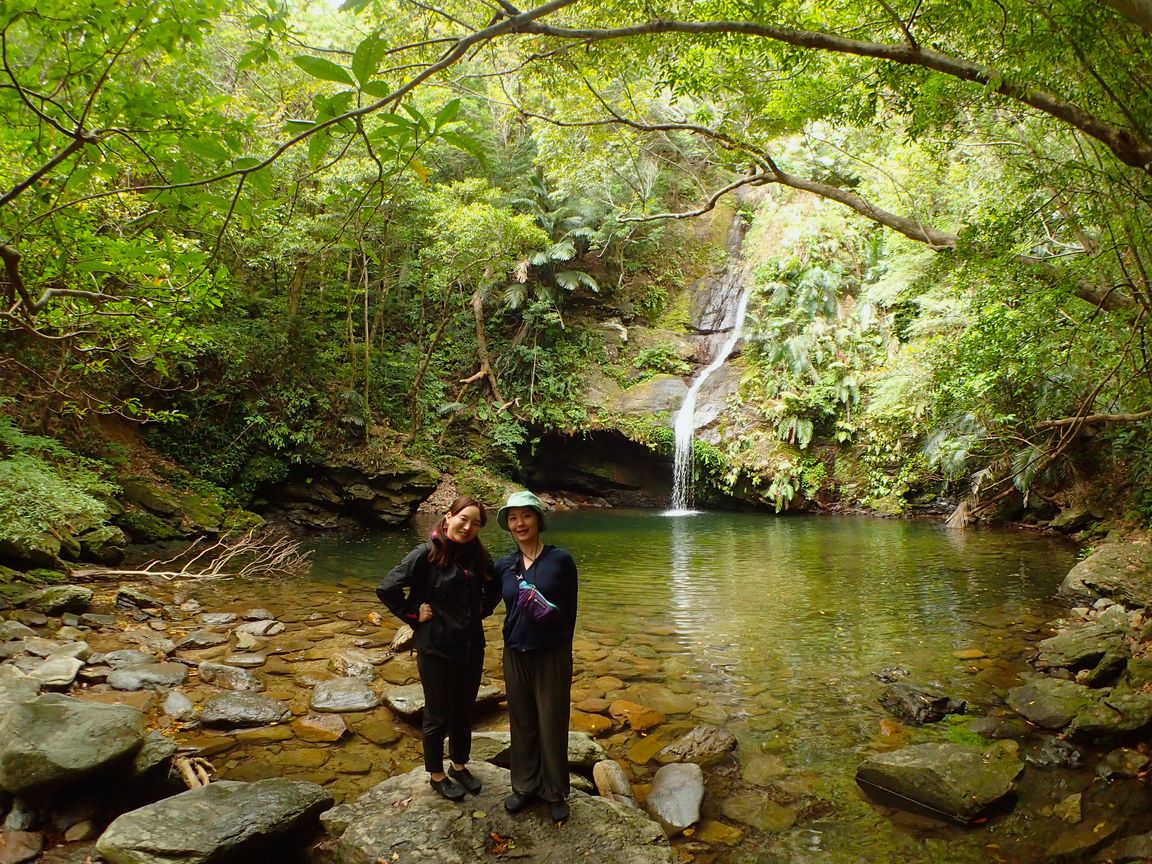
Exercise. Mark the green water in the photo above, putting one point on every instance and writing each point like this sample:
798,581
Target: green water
779,623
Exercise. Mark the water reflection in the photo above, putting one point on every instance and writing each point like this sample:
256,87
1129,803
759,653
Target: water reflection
780,623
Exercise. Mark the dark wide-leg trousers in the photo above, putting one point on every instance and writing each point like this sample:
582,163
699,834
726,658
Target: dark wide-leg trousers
450,688
539,685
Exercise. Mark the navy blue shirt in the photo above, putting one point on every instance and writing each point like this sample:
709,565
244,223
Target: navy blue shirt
554,575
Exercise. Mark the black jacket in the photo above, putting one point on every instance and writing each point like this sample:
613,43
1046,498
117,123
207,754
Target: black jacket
554,574
459,596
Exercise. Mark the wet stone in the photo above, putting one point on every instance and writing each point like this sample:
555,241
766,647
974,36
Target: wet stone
150,675
230,677
57,673
124,658
258,614
245,661
218,618
202,639
19,846
320,727
178,706
759,812
260,628
229,710
264,735
134,598
343,694
380,730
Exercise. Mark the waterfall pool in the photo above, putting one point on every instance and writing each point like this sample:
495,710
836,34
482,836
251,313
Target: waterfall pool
772,627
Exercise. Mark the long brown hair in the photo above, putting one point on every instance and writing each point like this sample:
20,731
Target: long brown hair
444,551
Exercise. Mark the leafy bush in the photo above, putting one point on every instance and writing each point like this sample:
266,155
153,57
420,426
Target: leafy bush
44,486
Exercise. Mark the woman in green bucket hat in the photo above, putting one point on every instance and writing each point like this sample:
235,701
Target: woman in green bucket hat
539,586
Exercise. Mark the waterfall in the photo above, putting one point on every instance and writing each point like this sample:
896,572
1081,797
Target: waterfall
731,279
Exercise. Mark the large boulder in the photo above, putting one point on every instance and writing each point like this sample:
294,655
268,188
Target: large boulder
53,740
948,779
1085,647
403,819
42,550
659,394
104,545
1117,714
226,820
1122,571
57,599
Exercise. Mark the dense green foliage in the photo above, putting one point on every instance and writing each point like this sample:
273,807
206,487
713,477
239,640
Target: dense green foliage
44,485
268,230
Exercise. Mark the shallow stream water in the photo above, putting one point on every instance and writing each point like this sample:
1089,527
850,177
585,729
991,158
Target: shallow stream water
774,626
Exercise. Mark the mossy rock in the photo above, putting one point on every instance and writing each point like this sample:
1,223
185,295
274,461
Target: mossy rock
104,545
143,527
199,513
43,550
151,497
238,521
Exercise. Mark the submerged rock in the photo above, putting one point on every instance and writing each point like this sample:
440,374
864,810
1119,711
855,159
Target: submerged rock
917,705
951,780
222,819
703,745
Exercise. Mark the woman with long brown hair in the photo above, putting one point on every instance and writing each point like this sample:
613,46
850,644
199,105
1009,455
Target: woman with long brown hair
444,588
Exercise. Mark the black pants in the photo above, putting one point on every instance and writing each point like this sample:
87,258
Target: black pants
539,687
450,688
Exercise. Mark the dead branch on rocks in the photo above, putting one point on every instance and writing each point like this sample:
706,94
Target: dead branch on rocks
224,558
193,770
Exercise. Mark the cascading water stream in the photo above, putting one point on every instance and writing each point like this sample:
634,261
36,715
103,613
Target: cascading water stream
685,425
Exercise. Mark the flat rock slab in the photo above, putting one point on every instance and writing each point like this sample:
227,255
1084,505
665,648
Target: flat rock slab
198,639
408,701
231,710
152,676
224,819
949,779
343,694
403,817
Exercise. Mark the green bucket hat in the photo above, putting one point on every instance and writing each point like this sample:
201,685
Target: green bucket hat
521,499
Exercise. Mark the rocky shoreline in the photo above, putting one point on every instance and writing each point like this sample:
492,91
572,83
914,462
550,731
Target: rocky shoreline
300,706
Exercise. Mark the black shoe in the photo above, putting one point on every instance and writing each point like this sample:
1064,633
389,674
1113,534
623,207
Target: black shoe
447,788
558,811
517,801
464,778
